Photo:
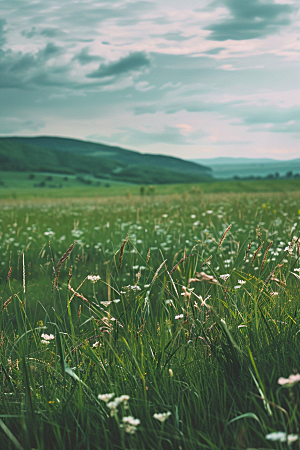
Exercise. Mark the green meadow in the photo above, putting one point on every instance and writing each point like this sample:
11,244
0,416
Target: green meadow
149,317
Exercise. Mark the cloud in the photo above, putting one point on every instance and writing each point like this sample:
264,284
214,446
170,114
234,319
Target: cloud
10,125
277,120
24,70
250,19
134,62
85,58
2,31
50,51
48,32
173,36
215,51
174,135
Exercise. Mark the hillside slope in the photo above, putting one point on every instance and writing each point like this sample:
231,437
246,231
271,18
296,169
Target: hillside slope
227,167
62,155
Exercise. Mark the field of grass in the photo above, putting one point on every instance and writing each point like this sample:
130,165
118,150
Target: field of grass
183,305
24,185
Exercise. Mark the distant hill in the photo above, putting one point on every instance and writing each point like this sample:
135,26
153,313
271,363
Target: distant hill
226,167
71,156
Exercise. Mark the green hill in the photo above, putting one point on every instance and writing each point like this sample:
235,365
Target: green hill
63,155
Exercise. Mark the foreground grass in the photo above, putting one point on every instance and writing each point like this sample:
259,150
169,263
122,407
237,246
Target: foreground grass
201,326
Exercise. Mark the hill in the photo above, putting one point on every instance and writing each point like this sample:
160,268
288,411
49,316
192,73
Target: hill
71,156
226,167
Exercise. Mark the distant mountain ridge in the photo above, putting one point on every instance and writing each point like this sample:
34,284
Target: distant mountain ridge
228,167
53,154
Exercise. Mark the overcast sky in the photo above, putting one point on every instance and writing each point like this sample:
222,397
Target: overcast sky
192,78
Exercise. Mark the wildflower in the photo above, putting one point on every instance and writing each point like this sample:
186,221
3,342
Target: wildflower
162,417
47,337
96,345
105,397
292,379
133,288
282,437
225,276
241,281
171,373
290,247
238,286
180,316
124,399
106,303
93,278
130,424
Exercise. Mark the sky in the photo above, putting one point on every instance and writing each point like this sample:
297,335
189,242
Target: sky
192,79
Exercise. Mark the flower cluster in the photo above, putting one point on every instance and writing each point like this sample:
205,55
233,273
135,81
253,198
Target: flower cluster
129,423
113,405
46,338
162,417
93,278
292,379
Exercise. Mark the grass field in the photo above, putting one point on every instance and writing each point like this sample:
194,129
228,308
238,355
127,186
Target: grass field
182,302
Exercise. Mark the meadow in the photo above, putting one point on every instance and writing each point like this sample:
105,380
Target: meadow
142,322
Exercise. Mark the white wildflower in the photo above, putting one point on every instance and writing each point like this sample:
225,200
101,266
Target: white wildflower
105,397
106,303
282,437
292,379
130,424
180,316
162,417
225,276
93,278
47,337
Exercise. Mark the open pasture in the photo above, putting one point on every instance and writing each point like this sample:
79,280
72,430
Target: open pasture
187,303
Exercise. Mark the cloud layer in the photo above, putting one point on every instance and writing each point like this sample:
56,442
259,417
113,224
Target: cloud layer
165,77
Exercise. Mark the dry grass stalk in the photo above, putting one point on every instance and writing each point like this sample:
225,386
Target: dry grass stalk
77,294
248,250
138,276
172,281
148,255
271,274
256,252
5,304
224,236
206,261
157,272
181,261
278,281
298,246
79,312
265,255
202,276
9,274
60,263
24,285
122,250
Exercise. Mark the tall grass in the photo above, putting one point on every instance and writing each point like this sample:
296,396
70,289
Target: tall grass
201,327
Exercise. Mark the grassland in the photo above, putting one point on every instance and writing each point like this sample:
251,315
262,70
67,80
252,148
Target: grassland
35,185
184,300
